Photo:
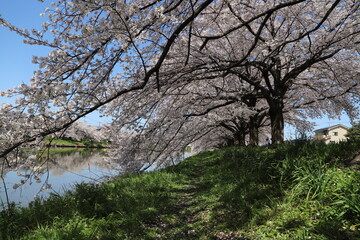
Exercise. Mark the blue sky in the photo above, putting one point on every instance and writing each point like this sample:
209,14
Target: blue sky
15,57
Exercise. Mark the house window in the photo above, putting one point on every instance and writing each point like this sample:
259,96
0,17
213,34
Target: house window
335,133
325,133
332,142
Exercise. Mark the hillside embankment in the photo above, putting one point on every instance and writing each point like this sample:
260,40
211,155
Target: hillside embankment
292,191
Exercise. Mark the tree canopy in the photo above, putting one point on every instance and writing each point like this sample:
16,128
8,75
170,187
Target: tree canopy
354,132
179,72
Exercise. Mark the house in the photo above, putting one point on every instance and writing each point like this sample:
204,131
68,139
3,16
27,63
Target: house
333,134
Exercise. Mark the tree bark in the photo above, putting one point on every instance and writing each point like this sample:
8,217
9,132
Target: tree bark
253,131
277,121
239,138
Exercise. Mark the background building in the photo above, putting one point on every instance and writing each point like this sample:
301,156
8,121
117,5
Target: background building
333,134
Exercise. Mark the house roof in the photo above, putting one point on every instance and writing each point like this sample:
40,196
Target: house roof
331,127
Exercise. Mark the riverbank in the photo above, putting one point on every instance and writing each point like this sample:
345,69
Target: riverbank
294,191
67,143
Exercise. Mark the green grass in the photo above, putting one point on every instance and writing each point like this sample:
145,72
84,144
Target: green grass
86,143
63,142
293,191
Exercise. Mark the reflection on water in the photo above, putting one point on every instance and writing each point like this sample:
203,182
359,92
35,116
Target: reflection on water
56,173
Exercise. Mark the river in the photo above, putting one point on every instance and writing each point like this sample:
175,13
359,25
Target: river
60,172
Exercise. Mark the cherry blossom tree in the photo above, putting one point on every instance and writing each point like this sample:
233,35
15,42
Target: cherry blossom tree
101,50
82,131
289,54
175,73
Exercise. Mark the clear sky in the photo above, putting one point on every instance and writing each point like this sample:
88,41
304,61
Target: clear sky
15,56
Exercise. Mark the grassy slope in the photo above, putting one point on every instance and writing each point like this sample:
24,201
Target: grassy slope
72,143
295,191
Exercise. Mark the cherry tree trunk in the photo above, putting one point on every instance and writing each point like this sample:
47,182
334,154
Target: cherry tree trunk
277,121
239,139
253,131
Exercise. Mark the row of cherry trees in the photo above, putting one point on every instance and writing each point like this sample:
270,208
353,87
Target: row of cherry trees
178,72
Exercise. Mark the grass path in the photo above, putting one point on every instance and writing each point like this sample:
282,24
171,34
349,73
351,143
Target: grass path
179,223
189,215
180,220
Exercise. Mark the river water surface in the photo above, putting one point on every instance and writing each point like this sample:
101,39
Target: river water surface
60,172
